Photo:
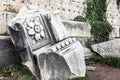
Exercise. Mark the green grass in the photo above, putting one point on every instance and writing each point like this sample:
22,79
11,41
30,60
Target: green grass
87,77
17,69
110,61
5,71
28,77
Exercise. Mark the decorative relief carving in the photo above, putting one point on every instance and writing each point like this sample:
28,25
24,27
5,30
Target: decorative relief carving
35,29
46,46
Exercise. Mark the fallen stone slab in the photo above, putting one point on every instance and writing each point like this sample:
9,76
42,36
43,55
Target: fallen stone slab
32,31
77,29
108,49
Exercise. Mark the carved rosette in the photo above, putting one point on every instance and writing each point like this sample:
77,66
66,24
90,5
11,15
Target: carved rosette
34,29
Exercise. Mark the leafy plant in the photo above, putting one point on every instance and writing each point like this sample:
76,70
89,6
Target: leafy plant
96,10
5,71
101,31
89,42
96,15
17,69
79,18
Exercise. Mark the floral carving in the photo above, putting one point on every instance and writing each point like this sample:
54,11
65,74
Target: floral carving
35,29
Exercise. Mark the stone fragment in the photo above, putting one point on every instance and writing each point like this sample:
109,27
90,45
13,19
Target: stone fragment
5,18
90,68
59,32
77,29
109,48
47,59
113,17
115,32
62,65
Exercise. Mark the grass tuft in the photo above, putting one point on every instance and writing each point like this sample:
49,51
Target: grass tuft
87,77
110,61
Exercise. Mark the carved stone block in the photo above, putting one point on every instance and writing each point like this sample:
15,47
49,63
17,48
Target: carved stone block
44,47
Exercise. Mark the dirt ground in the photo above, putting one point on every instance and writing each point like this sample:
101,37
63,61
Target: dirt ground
103,72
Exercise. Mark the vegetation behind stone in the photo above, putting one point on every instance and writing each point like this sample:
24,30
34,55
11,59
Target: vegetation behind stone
96,16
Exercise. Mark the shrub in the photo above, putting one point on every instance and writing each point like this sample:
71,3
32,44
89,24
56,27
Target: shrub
96,10
101,31
96,15
79,18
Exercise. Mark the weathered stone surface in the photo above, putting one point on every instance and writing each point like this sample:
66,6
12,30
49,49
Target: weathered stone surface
6,51
52,56
65,7
88,54
81,31
5,18
77,29
110,48
59,32
55,64
113,17
115,32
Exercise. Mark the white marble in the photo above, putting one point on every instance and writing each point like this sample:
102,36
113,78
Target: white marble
77,29
61,59
113,17
109,48
5,18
